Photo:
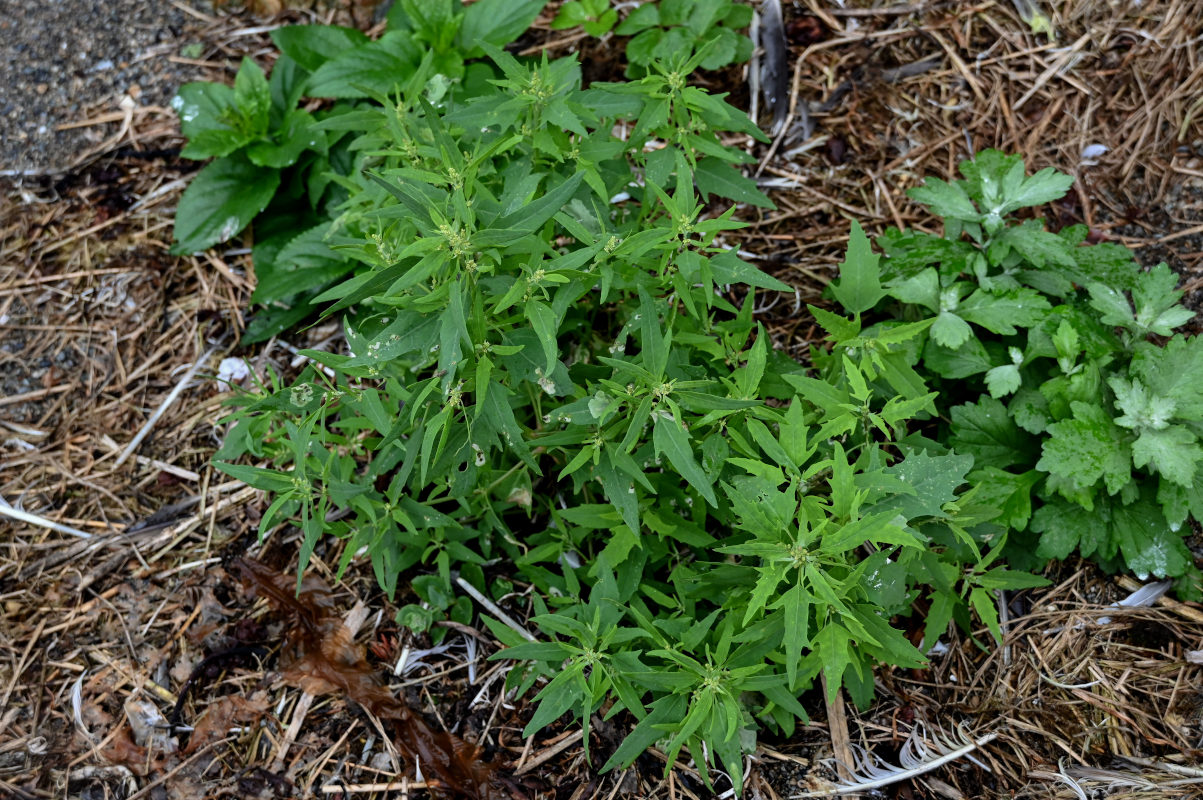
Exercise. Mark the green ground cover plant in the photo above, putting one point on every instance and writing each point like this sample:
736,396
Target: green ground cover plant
283,166
546,389
555,387
280,160
661,31
1059,371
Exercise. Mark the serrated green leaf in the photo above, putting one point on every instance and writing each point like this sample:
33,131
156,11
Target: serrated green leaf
1173,452
970,358
1147,544
1086,448
950,331
1045,186
934,480
1002,313
1062,527
1141,409
1174,372
986,431
1011,494
840,328
1111,304
945,200
1156,298
922,289
1039,247
1002,381
859,287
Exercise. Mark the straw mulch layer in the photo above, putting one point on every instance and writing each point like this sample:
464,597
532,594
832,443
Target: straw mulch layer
134,615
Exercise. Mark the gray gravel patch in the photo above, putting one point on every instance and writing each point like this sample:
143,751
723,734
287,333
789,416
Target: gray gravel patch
67,60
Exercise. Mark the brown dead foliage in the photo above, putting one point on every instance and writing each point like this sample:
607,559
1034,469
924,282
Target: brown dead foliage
320,657
225,713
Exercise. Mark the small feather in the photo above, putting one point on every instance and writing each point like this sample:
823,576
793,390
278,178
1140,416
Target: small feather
774,83
917,756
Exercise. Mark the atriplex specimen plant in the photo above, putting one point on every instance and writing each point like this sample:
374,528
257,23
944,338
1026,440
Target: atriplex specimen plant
550,389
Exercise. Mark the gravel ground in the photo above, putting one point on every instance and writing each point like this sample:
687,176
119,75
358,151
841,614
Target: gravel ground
70,60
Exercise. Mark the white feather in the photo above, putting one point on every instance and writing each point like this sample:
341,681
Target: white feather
918,755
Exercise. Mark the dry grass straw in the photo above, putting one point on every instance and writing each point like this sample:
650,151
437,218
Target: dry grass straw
1066,692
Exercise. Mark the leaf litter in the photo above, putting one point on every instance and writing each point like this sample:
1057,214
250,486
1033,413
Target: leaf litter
320,657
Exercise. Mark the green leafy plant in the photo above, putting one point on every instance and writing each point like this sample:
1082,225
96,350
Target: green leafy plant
1058,366
554,384
669,29
594,16
282,160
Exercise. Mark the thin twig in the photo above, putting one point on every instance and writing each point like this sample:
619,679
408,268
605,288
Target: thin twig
171,398
33,519
495,610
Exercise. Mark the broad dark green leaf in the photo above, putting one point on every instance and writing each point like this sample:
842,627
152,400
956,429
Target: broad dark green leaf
311,46
222,199
934,479
986,431
496,22
375,69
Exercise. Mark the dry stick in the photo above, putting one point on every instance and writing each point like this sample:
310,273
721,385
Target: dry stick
8,510
163,466
353,788
903,10
21,398
171,398
495,610
551,752
837,724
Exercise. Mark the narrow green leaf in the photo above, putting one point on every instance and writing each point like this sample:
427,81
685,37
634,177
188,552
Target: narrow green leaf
671,440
